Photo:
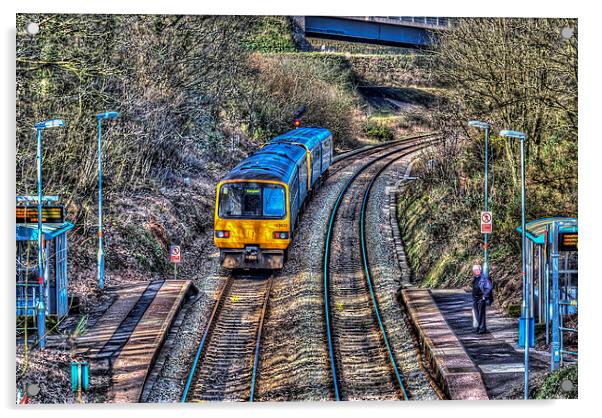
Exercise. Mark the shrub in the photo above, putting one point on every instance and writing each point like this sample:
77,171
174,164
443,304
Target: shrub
378,131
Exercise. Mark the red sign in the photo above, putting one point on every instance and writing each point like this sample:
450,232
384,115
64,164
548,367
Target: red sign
174,254
486,222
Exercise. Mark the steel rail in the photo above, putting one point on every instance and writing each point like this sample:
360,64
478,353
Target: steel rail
327,257
366,266
373,149
258,340
208,327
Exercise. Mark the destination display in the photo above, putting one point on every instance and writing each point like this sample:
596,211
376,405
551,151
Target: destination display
50,214
568,241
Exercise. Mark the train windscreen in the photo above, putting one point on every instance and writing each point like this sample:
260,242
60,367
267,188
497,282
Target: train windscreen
252,201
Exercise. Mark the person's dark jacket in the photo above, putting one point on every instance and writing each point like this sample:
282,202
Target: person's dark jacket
477,292
482,289
487,288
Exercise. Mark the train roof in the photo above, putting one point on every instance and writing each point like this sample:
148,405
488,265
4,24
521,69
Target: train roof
309,137
273,162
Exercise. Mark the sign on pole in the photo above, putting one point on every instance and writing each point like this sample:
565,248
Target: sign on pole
486,222
174,254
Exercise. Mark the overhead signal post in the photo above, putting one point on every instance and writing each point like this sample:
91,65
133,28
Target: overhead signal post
41,308
101,252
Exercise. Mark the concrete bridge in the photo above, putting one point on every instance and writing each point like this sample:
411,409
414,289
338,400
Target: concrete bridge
413,32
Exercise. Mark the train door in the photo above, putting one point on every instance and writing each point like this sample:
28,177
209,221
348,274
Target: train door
303,180
315,165
294,199
326,153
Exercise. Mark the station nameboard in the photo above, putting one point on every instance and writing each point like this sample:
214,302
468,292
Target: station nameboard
50,214
568,241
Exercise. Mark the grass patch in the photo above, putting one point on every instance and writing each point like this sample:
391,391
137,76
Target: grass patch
552,385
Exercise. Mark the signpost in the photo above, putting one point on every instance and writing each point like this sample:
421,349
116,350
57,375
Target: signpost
175,258
486,222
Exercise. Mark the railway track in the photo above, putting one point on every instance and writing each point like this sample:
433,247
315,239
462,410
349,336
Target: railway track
363,365
226,363
371,150
227,359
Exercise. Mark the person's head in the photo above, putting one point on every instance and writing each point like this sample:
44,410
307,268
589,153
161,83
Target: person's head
476,269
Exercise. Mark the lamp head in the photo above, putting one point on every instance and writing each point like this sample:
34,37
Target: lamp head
479,124
107,115
54,123
513,134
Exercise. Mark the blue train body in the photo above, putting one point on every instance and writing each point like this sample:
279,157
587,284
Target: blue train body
258,203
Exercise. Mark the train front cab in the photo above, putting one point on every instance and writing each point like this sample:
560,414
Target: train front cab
252,226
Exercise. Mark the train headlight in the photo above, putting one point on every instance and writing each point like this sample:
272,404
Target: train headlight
280,235
222,234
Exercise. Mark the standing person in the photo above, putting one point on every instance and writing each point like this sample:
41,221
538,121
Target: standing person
481,296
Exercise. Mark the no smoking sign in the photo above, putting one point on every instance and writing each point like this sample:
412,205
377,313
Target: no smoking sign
174,254
486,222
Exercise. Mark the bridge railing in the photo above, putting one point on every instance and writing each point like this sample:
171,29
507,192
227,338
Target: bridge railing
421,22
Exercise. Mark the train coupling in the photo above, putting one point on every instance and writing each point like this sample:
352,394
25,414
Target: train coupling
252,257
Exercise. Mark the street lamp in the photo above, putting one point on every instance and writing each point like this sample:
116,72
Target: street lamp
40,126
526,291
485,126
101,252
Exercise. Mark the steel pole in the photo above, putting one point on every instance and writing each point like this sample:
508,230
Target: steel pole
485,244
526,295
40,305
101,253
555,349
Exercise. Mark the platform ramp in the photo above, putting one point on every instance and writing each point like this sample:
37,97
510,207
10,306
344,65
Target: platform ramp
128,337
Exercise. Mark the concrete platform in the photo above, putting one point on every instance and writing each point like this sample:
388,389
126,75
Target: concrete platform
496,354
468,365
133,364
92,342
454,371
130,334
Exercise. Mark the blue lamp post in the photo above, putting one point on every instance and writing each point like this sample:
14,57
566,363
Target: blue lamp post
526,291
485,126
41,308
101,252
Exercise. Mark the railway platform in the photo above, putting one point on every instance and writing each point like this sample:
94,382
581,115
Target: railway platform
128,337
468,365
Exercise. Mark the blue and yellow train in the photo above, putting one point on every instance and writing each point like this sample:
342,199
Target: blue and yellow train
258,203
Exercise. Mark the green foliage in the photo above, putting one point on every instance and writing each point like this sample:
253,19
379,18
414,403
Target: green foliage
379,131
474,62
284,82
552,385
270,34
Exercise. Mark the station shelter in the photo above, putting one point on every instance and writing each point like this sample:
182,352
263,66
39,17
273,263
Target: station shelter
36,300
552,272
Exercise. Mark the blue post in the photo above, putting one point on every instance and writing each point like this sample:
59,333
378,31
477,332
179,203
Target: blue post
41,309
526,317
485,126
526,295
74,376
555,349
101,252
486,245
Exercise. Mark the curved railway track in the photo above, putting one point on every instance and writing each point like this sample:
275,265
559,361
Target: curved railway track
227,359
225,365
362,362
373,149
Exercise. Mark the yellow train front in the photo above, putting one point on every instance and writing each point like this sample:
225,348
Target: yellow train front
258,203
